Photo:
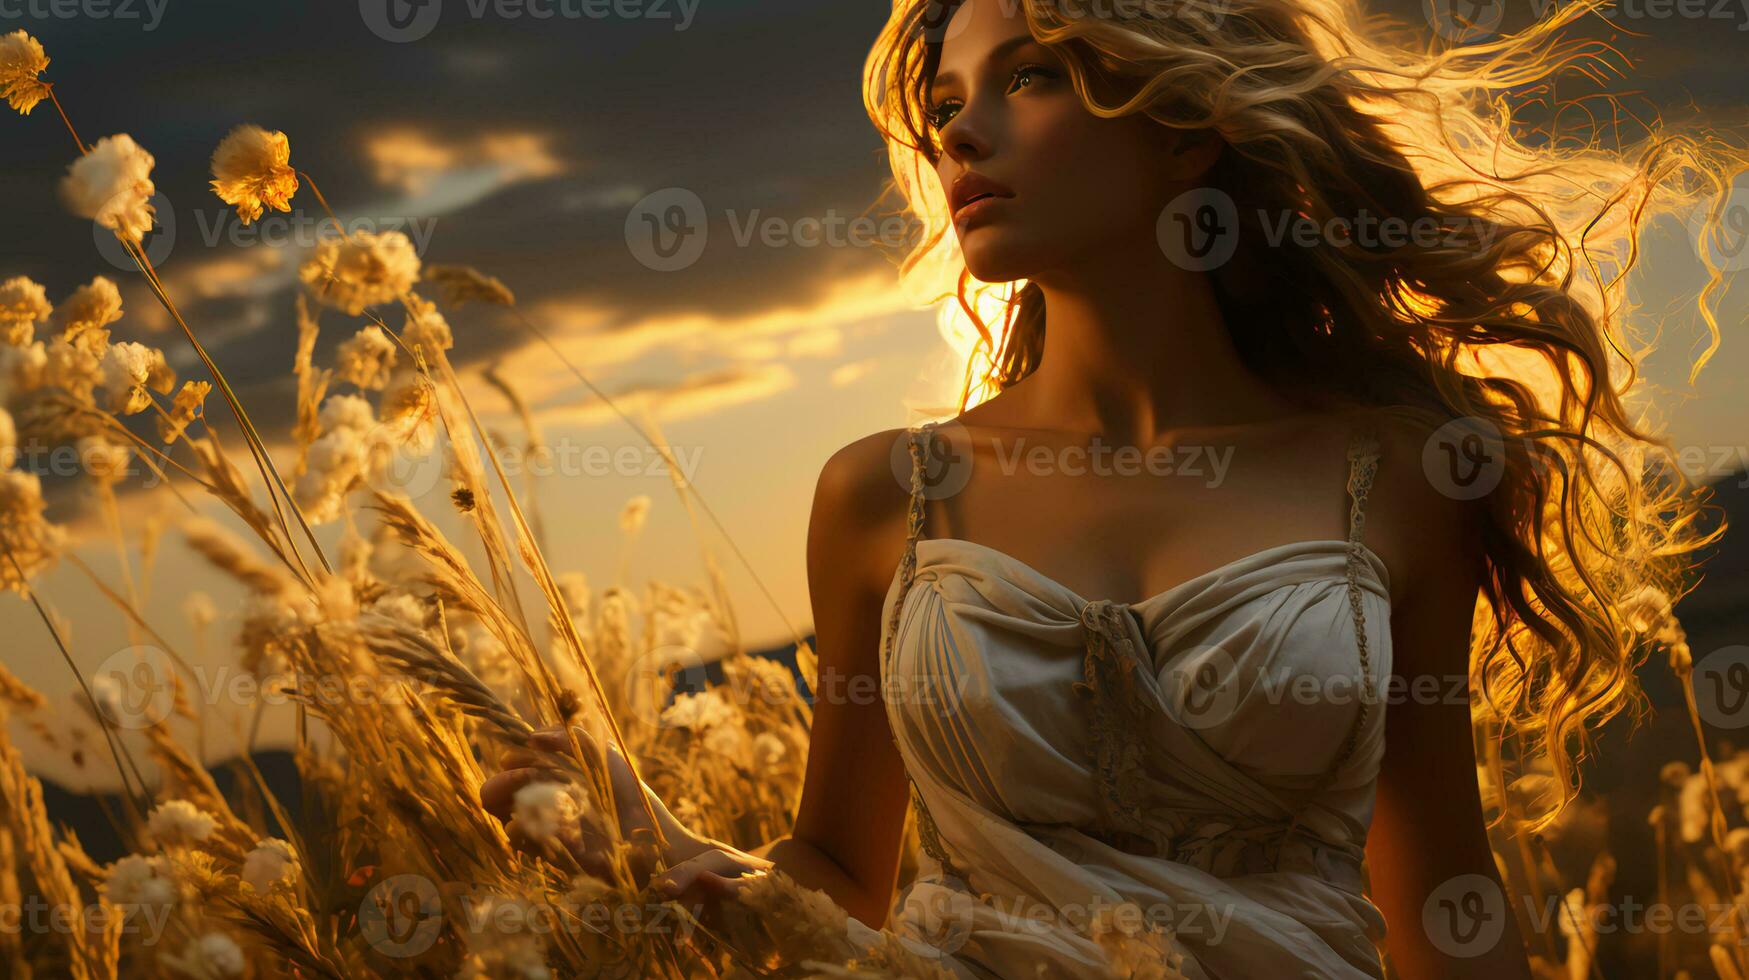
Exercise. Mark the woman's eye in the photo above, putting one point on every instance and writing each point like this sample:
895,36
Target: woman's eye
941,114
1024,75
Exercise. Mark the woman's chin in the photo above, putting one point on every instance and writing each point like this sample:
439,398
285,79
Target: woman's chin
992,262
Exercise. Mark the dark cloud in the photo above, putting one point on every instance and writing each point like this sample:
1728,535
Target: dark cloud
754,107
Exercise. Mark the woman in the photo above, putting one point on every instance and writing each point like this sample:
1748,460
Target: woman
1315,264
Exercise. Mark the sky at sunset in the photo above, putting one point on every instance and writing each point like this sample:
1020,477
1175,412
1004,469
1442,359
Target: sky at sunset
523,145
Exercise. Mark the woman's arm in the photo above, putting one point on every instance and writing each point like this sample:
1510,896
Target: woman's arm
847,833
852,814
1431,869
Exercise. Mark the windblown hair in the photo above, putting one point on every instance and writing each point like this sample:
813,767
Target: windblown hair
1505,314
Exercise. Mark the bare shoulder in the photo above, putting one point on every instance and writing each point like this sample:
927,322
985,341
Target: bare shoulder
860,502
1428,535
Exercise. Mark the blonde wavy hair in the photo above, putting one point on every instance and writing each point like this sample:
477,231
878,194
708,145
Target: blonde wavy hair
1513,318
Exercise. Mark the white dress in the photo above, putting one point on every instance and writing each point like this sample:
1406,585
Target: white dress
1209,754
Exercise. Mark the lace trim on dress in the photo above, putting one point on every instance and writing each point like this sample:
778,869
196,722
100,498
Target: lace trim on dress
1222,846
927,834
1117,712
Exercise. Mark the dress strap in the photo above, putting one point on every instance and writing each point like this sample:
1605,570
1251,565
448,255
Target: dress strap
918,440
1363,465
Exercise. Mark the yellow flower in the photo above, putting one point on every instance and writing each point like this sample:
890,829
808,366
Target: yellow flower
22,305
86,313
252,170
32,541
362,270
112,185
21,60
187,406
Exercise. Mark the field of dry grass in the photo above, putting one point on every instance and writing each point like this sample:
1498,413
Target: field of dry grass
394,867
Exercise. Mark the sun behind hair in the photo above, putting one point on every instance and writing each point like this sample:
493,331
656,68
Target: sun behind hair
1509,321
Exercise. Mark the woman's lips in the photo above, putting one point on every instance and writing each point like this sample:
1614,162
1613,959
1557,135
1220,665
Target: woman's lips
978,207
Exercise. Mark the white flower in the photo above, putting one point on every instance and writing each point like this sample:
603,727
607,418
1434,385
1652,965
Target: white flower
546,810
334,465
366,358
109,690
336,462
21,368
76,369
401,607
127,369
346,412
214,956
728,741
682,629
271,862
140,880
768,750
180,822
273,627
697,711
112,185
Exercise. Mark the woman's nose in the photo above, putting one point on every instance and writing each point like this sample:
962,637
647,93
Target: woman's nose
966,136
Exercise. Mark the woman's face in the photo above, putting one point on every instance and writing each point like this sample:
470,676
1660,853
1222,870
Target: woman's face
1064,186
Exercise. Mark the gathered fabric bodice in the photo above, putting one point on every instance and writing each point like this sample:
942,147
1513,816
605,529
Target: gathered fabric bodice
1209,754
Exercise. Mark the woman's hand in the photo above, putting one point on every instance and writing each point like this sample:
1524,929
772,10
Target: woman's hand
698,868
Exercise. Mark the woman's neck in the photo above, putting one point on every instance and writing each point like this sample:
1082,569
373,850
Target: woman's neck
1137,347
